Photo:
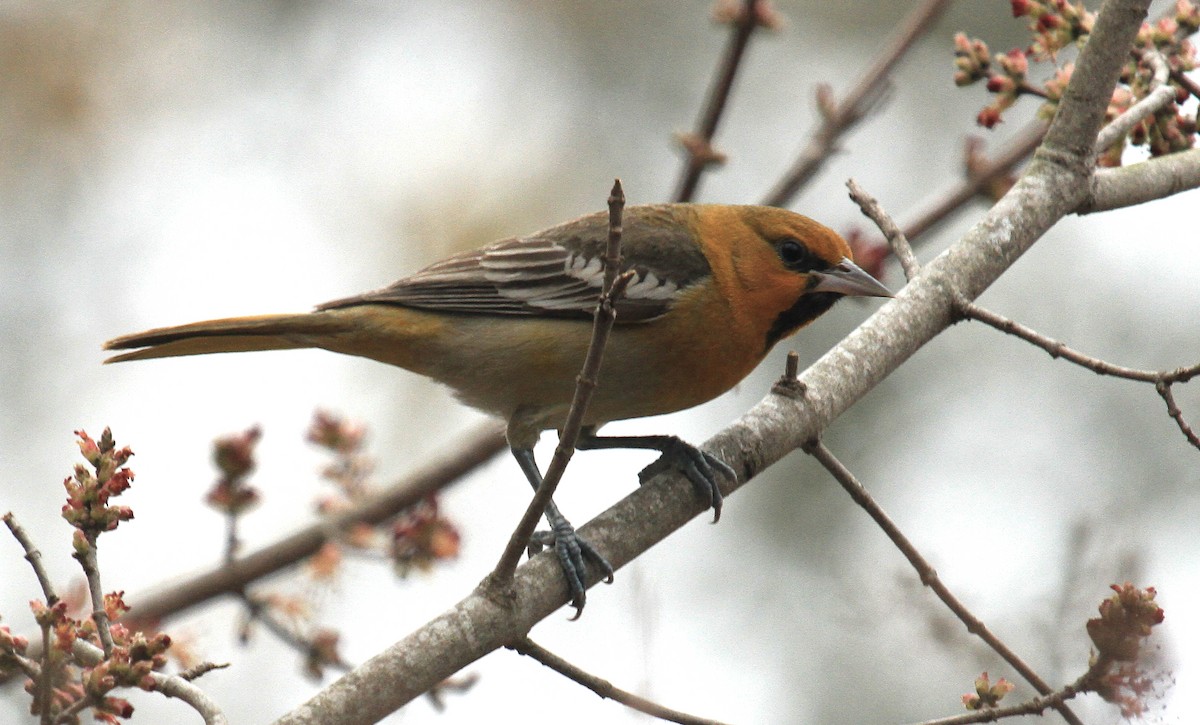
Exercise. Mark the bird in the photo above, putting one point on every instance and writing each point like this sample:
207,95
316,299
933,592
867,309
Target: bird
713,288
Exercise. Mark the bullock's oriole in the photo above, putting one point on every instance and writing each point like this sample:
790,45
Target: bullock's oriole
507,326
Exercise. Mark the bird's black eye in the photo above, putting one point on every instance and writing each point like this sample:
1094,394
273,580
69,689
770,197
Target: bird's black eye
797,257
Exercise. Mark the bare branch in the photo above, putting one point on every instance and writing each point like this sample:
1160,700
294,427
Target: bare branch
1138,183
978,179
169,685
91,570
33,556
195,672
70,713
585,385
1058,349
838,118
1164,390
604,688
925,571
1181,77
45,685
1159,96
316,652
698,144
895,237
1162,379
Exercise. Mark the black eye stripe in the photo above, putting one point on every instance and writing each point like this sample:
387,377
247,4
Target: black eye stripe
797,257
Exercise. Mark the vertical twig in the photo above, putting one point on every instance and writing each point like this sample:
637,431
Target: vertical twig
231,536
698,144
1164,389
44,683
585,385
91,569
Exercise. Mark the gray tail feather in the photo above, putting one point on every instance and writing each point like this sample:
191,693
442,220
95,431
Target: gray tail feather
234,334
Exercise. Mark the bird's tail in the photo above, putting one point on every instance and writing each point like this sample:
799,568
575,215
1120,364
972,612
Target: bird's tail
233,334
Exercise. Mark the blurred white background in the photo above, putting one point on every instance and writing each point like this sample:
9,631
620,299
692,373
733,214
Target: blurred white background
167,161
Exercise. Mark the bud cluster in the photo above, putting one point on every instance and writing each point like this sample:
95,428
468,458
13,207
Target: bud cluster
1056,26
89,490
987,694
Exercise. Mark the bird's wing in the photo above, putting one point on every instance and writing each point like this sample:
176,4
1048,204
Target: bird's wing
555,273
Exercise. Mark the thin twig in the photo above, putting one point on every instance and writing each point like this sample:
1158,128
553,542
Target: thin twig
1185,82
604,688
169,685
1057,349
585,385
31,668
1019,148
1159,96
698,144
925,571
261,611
895,236
1027,88
91,569
838,118
45,685
1162,379
1034,706
70,713
1164,390
195,672
33,556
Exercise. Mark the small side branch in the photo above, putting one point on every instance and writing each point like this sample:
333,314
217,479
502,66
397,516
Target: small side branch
839,117
1034,706
980,177
1161,379
698,144
318,650
894,235
926,572
585,385
91,570
33,556
604,688
1164,390
1159,96
169,685
45,686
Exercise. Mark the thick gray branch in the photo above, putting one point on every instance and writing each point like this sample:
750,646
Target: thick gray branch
1146,181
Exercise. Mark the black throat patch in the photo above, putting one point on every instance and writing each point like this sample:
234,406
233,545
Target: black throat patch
806,309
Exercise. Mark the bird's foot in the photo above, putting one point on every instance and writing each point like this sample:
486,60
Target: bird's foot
700,467
572,552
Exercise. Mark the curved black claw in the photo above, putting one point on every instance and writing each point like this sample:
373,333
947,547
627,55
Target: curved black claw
699,466
572,550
